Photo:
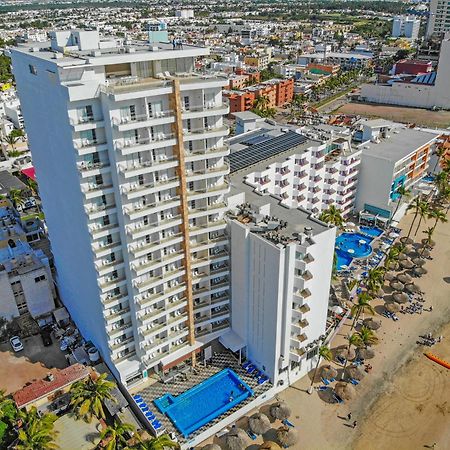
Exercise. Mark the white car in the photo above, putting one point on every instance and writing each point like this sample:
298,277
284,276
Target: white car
16,344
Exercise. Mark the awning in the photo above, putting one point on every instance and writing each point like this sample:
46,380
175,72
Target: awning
232,341
30,173
179,355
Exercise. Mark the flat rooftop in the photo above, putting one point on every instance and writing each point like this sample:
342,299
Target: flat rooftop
401,143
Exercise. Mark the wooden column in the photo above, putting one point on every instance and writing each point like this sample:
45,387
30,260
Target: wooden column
178,148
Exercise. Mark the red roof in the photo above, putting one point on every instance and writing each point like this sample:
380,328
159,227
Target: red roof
44,387
30,173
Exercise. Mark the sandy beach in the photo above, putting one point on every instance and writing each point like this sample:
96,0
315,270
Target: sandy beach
404,403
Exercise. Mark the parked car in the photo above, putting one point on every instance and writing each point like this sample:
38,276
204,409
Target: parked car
16,344
46,339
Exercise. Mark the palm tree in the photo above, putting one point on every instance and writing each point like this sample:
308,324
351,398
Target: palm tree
89,395
439,152
366,337
416,206
261,103
324,353
352,340
439,216
37,433
11,140
362,306
332,215
423,213
403,192
16,196
391,256
160,443
5,405
375,278
116,437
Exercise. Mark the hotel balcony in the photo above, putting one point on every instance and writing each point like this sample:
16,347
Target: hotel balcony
86,123
330,180
99,231
105,249
89,146
135,168
110,283
112,300
208,110
143,121
91,169
138,211
217,189
307,275
121,358
142,248
296,354
96,211
149,282
138,190
205,133
108,266
308,258
206,210
96,190
129,146
119,343
111,317
116,329
207,172
213,225
148,300
212,152
139,230
156,263
154,313
207,244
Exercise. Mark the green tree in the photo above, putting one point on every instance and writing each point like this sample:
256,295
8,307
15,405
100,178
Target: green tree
416,206
116,437
366,337
375,278
160,443
333,216
403,192
353,340
16,196
391,256
361,306
88,397
37,432
11,140
323,353
424,211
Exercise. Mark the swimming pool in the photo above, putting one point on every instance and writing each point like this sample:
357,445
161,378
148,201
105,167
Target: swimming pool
199,405
352,245
371,231
343,259
428,179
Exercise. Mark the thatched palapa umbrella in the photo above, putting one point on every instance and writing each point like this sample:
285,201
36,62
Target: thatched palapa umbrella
420,271
418,262
425,253
389,276
402,257
393,265
280,411
347,353
366,353
428,243
212,447
400,297
269,445
287,436
407,264
392,307
411,287
371,323
259,423
404,278
344,390
236,439
355,372
396,285
329,372
406,240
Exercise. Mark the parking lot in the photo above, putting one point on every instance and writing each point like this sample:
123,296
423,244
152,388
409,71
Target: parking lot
34,362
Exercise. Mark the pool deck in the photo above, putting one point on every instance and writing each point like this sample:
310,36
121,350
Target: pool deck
219,362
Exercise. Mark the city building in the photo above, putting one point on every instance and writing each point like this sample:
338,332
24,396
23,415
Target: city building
392,156
430,90
439,17
184,13
129,154
240,79
248,35
346,61
406,27
258,61
26,281
412,67
310,174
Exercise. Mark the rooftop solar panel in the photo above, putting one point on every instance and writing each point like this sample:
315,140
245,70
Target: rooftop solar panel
264,150
256,140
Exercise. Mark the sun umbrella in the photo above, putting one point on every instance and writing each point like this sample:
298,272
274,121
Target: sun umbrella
407,264
236,439
430,243
400,297
418,262
380,292
259,423
420,271
408,248
212,447
347,353
337,309
366,353
280,411
392,307
404,278
396,285
344,390
287,436
402,256
389,276
406,240
393,265
329,372
269,445
355,372
425,253
411,287
372,324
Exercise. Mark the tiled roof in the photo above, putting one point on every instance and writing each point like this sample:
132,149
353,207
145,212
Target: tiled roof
44,387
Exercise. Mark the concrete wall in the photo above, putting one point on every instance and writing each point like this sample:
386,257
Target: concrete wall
8,307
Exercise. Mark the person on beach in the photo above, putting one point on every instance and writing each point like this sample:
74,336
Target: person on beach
349,416
355,423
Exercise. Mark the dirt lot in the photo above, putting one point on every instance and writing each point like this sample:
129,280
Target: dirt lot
440,119
32,363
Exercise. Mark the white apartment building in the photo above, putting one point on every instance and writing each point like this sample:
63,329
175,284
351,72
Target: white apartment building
439,18
406,26
306,174
128,148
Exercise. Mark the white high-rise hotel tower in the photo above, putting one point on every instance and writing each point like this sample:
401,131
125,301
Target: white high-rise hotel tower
128,147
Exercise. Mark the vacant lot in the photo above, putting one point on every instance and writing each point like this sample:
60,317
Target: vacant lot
439,119
34,362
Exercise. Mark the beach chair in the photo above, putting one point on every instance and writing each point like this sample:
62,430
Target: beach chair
340,359
325,381
354,382
250,369
137,398
246,364
287,423
252,435
322,388
332,379
144,409
263,379
338,399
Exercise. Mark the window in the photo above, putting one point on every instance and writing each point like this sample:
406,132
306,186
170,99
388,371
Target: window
312,353
32,69
40,278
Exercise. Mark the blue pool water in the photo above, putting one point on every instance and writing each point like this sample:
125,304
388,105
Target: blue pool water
371,231
199,405
428,179
343,259
352,245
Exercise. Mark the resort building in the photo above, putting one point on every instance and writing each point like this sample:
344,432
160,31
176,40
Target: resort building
392,156
127,142
406,27
439,17
429,90
307,174
344,60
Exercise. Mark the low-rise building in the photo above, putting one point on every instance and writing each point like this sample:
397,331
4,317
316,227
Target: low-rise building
412,67
406,26
346,60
